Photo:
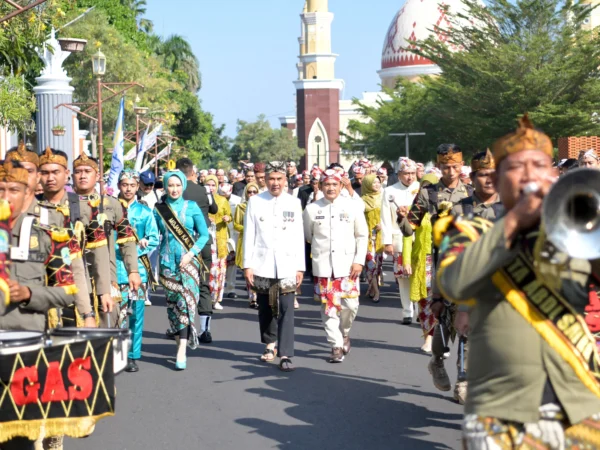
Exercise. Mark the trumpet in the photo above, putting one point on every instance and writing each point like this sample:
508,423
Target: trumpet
571,214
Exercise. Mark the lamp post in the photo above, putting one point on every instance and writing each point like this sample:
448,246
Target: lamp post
139,111
318,140
406,135
99,69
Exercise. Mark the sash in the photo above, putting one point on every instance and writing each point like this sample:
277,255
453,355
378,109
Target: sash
176,228
146,263
552,316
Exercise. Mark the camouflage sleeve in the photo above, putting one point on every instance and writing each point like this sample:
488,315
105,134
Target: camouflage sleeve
126,239
470,253
60,289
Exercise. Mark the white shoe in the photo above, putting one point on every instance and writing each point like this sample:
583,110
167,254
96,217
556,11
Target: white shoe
217,306
446,355
148,303
296,304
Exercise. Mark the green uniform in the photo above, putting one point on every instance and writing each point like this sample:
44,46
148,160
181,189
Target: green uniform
514,363
474,206
45,270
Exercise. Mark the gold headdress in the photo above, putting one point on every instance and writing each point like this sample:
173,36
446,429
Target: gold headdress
13,173
483,160
449,154
22,154
49,157
526,137
83,160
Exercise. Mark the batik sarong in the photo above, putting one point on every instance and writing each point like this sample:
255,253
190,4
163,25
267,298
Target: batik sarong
552,432
218,270
399,267
329,291
373,266
182,291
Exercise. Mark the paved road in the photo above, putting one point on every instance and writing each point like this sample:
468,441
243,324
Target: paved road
381,397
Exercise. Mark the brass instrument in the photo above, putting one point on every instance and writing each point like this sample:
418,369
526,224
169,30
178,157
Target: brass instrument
571,214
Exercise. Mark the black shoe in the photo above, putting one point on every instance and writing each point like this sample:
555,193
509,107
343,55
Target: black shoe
206,337
406,321
170,334
232,295
131,366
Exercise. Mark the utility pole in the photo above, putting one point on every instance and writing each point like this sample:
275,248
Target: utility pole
406,135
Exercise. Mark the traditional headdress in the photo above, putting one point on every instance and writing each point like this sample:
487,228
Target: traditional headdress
316,173
22,154
225,189
364,162
212,171
305,172
591,153
272,167
420,165
298,177
483,160
358,170
331,174
233,172
526,137
405,164
220,172
260,167
203,172
13,172
381,171
84,160
51,157
449,154
291,164
435,171
129,174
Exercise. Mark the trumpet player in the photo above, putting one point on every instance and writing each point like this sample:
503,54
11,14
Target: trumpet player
400,194
533,363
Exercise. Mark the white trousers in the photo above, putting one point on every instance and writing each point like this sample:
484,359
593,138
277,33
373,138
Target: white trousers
230,279
339,326
407,305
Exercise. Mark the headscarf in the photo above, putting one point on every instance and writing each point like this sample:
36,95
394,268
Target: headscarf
431,177
214,178
179,174
248,186
371,198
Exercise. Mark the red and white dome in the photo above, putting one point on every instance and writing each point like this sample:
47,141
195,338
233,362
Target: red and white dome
415,21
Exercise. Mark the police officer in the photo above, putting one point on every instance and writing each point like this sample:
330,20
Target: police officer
337,230
113,217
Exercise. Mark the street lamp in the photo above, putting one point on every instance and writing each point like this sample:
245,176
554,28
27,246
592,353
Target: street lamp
318,140
99,69
139,111
99,64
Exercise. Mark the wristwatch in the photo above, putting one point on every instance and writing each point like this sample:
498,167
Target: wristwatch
89,315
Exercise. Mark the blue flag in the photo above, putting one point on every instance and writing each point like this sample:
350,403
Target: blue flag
117,163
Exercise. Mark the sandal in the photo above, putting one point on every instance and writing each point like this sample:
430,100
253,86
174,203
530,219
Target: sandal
253,305
285,365
268,355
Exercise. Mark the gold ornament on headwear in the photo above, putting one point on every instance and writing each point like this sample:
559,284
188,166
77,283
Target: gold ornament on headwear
526,137
22,154
450,158
83,160
49,157
485,162
12,172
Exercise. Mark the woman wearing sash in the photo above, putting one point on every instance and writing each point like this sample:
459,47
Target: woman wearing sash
238,225
220,238
371,196
179,267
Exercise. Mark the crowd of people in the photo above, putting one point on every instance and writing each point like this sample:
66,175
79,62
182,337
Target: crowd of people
81,258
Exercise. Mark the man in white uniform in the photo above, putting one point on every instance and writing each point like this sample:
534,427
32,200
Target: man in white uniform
274,262
337,230
395,196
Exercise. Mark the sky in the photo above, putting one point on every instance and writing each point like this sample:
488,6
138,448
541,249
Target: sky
248,50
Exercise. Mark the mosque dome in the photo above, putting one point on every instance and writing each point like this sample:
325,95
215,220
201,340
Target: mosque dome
415,21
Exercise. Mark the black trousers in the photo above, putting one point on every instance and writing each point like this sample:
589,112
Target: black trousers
18,443
280,329
205,300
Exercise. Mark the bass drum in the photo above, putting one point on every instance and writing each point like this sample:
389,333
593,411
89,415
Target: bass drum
12,342
121,340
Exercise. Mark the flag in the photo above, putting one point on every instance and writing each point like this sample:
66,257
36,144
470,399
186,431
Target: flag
164,152
117,163
132,153
148,141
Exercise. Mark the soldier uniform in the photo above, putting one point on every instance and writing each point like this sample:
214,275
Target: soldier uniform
338,233
533,379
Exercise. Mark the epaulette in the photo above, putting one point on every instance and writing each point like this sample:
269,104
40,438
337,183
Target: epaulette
56,234
124,203
451,225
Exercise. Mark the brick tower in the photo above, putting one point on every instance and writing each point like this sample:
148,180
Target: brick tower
317,90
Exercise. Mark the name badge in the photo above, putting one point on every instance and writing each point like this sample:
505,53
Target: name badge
319,217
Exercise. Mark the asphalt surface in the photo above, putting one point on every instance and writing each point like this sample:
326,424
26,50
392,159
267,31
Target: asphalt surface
380,397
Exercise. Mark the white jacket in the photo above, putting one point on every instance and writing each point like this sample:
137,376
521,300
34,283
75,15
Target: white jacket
234,201
403,196
338,234
273,236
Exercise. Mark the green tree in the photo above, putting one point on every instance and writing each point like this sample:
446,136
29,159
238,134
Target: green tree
179,58
497,63
264,143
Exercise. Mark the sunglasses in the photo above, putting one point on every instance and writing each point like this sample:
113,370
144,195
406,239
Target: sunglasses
252,192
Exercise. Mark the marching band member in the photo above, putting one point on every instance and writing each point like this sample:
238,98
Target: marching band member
144,225
179,262
274,263
535,383
395,196
337,231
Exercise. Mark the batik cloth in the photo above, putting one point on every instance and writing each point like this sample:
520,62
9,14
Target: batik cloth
426,318
131,315
329,291
182,290
551,432
373,265
218,270
274,288
399,267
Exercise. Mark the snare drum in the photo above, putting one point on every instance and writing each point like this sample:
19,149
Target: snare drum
121,341
12,342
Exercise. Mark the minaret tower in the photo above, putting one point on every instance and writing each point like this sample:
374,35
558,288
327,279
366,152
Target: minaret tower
317,90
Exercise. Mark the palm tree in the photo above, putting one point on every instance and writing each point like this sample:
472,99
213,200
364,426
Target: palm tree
178,55
139,8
